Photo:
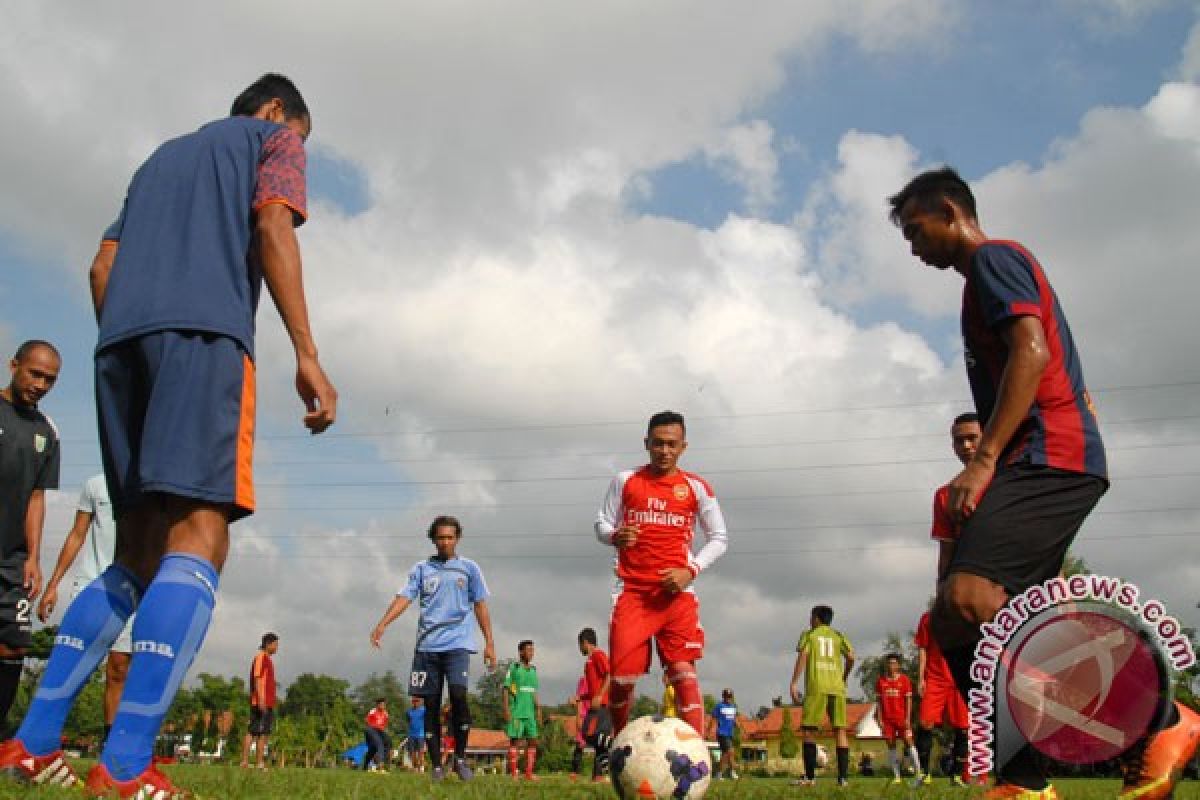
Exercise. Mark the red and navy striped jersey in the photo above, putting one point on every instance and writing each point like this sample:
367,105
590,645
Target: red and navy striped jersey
1004,282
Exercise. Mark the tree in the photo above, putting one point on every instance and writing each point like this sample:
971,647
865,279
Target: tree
788,746
387,686
1075,565
487,709
644,706
555,748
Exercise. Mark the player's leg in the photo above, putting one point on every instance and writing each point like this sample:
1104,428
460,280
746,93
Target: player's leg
514,751
116,672
680,642
633,624
457,668
889,742
425,681
371,737
531,747
16,633
597,731
911,747
811,714
837,721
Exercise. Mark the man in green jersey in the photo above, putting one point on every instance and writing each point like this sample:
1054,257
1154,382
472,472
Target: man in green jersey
824,657
521,710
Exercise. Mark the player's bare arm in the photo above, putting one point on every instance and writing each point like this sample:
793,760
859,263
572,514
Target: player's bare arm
849,666
1028,355
66,557
35,517
282,271
484,617
798,673
397,607
98,274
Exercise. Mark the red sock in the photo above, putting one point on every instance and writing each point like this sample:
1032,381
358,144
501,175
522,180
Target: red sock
688,699
512,760
530,759
619,695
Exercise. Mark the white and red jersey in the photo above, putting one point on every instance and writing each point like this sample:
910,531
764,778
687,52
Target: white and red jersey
666,510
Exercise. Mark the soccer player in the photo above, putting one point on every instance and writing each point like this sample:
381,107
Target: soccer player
724,722
1040,457
262,700
29,462
94,532
379,743
175,284
448,589
522,711
824,658
649,515
965,434
940,702
415,744
893,710
597,725
582,704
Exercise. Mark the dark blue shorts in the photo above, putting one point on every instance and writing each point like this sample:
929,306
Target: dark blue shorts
431,670
176,415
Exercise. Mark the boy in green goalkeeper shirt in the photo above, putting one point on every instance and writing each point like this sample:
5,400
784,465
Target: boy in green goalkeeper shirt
824,657
521,710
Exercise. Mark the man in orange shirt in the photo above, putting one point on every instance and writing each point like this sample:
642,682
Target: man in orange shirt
379,744
262,700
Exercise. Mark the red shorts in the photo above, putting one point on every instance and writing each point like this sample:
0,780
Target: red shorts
893,728
672,620
942,702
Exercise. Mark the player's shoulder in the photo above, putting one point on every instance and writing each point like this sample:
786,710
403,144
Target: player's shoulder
700,482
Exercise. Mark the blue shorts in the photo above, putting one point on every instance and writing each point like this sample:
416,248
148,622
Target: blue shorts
431,670
176,415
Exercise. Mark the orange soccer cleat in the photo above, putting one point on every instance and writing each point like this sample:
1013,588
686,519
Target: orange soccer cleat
150,785
1010,791
1153,768
47,770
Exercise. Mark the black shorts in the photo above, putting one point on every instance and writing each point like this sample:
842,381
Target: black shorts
597,723
262,721
16,611
725,743
1028,517
432,670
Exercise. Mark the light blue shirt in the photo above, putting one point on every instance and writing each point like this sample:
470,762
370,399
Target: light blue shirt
447,592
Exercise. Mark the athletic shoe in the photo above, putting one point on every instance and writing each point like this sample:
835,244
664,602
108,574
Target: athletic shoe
573,777
438,774
842,782
1153,768
1010,791
803,782
19,764
958,782
150,785
922,780
733,776
600,779
896,781
462,770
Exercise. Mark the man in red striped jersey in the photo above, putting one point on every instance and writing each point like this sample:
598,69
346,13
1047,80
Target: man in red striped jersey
649,515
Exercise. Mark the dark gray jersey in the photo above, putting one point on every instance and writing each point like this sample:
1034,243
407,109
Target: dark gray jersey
29,460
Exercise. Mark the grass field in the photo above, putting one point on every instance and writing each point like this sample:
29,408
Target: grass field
229,783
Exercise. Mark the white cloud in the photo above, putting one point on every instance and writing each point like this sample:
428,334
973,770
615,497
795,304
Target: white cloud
745,155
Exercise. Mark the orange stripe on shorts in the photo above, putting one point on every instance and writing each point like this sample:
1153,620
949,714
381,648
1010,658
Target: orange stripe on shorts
243,495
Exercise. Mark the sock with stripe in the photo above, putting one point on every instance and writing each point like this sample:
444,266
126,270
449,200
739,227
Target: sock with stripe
688,699
167,634
92,623
530,758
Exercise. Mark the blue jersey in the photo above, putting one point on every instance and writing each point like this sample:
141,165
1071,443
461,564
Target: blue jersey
185,259
447,592
1004,282
416,723
726,716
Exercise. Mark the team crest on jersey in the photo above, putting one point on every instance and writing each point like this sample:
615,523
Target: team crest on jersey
39,443
681,491
430,584
462,583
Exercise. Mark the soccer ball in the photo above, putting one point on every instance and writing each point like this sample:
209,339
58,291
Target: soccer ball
659,757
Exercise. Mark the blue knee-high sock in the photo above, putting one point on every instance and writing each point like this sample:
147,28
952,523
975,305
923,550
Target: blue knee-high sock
92,623
167,634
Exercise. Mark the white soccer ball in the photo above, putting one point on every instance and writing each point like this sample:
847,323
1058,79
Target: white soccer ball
659,757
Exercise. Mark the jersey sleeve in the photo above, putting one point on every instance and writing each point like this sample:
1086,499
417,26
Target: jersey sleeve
112,234
906,685
803,642
711,523
600,658
921,639
47,477
879,687
412,589
477,590
609,516
844,643
1005,285
87,499
281,174
943,528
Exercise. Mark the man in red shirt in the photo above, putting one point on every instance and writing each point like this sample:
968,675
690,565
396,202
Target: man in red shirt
379,744
262,700
965,433
649,515
893,710
940,702
597,723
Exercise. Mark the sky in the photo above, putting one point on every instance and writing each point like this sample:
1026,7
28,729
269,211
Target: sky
533,224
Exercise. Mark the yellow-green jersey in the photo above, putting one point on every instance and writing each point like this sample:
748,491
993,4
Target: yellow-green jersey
824,664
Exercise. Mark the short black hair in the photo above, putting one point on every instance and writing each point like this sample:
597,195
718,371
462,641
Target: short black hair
443,521
966,416
890,656
666,418
587,635
933,185
824,614
29,345
521,645
267,638
379,700
270,87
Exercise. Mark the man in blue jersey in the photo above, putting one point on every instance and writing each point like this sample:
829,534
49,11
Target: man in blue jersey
206,220
447,588
1040,457
724,721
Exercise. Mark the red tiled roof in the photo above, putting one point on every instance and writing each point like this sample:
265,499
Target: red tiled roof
770,726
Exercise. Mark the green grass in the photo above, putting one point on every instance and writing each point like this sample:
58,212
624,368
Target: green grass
231,783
